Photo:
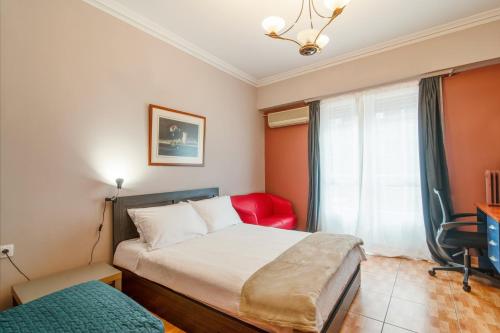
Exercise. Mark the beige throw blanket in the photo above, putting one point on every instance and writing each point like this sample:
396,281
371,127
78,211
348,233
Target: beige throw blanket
285,291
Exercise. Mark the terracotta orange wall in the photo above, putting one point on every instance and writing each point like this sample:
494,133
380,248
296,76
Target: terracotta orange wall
472,132
286,167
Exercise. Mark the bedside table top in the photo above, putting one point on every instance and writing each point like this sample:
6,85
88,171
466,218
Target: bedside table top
31,290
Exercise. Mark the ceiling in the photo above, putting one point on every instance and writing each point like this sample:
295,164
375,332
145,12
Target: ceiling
228,33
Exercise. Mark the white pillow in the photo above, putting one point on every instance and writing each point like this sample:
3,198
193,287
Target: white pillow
218,212
131,212
167,225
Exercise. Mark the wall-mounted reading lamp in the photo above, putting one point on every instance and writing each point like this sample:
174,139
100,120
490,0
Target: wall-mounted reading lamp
119,183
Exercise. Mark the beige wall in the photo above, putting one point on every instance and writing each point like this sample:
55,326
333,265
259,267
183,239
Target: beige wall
460,48
75,85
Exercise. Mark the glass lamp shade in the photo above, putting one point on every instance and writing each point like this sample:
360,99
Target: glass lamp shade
273,24
333,4
322,41
307,36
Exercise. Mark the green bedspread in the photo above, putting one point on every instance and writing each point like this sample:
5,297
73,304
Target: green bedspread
89,307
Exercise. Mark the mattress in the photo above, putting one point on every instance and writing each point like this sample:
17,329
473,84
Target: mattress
213,268
88,307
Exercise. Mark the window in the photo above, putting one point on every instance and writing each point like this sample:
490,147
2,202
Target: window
370,181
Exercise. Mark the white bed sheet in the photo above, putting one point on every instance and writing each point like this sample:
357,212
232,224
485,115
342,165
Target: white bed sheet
213,268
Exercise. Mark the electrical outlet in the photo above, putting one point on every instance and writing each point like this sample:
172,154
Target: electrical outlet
9,247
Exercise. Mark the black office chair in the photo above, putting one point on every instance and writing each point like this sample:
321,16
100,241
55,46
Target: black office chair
449,237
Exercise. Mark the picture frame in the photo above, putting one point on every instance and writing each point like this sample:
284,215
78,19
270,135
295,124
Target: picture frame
176,138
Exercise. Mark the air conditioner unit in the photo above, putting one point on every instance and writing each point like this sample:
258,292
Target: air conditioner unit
492,178
288,117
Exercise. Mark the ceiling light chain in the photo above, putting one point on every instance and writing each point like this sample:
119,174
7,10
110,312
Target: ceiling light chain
310,40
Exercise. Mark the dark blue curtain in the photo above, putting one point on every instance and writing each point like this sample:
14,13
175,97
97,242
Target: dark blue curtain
433,167
314,171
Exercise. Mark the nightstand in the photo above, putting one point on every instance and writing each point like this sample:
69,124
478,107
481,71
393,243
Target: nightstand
31,290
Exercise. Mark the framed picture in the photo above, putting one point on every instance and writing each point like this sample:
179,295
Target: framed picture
175,137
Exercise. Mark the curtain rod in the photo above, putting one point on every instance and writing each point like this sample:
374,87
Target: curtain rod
445,72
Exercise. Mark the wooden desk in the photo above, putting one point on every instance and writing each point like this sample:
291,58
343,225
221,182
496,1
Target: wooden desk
31,290
491,215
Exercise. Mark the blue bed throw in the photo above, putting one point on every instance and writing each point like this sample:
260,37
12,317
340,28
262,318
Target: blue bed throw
88,307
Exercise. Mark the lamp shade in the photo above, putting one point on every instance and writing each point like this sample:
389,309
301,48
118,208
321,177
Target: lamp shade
333,4
322,41
273,24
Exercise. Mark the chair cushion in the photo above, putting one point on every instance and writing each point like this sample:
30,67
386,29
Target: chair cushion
279,221
466,239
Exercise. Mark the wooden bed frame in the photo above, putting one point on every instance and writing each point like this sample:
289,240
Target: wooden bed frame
180,310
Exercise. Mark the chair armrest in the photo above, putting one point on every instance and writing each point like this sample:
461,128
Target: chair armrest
249,218
461,215
453,225
280,205
247,215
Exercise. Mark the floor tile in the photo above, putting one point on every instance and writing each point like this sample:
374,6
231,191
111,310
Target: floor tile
472,326
416,265
422,318
417,272
370,304
394,329
380,283
376,264
481,290
354,323
477,311
422,293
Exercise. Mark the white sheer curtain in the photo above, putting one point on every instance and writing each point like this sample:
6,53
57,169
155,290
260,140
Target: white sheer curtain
370,182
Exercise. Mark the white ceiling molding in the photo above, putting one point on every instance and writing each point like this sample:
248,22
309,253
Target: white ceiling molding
131,17
454,26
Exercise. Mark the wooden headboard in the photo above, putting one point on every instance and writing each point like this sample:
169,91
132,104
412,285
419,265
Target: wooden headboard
124,228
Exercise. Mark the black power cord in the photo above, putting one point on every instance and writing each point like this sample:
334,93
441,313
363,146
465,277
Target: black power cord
101,225
6,253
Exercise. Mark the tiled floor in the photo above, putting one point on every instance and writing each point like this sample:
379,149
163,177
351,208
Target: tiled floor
398,295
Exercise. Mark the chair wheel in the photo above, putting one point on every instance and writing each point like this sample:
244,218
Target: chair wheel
432,272
467,288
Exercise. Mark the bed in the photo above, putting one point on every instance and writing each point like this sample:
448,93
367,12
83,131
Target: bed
196,284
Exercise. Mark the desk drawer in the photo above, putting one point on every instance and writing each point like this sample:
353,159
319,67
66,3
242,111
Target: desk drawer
494,253
493,229
493,243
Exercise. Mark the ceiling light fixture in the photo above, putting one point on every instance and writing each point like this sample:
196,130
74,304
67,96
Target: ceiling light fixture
310,40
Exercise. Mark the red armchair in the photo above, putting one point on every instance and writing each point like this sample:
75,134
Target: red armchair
265,209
